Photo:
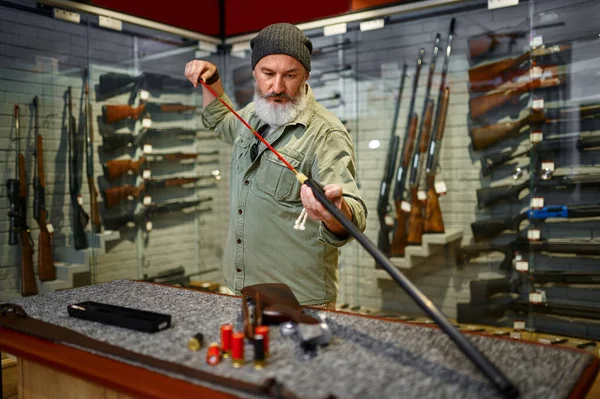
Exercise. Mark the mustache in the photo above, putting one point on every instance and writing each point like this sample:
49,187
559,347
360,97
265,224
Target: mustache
277,95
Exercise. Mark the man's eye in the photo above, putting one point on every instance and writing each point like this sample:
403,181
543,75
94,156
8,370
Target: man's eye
269,74
290,76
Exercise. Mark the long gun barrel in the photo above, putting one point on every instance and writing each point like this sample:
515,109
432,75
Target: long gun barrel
383,204
46,268
116,113
89,158
400,233
80,218
490,195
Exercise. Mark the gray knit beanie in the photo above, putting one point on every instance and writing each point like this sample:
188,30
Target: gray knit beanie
282,38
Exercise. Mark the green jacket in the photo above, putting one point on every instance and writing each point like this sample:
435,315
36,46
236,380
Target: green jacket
262,245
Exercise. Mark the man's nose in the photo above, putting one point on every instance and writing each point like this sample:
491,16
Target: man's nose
278,86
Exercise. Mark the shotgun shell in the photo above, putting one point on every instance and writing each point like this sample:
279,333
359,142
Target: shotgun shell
259,352
196,342
237,353
226,333
264,331
213,354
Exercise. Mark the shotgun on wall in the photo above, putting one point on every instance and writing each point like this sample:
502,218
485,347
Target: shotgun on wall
17,196
415,217
434,222
383,205
89,163
46,269
80,218
399,234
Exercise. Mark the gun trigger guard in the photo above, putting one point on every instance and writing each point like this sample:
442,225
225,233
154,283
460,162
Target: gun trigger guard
9,309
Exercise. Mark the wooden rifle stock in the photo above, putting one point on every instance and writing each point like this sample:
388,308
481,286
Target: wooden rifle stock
115,113
115,195
399,239
46,269
483,104
116,168
434,222
94,211
415,218
28,283
486,136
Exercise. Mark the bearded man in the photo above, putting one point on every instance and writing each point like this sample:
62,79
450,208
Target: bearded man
266,200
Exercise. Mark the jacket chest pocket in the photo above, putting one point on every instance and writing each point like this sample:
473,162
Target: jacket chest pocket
274,178
240,157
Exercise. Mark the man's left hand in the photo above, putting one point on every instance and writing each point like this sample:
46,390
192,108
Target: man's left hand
316,211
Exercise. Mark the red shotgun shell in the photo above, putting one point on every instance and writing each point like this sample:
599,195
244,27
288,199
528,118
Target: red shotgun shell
238,349
226,334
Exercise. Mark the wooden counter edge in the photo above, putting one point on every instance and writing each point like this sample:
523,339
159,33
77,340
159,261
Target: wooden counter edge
122,377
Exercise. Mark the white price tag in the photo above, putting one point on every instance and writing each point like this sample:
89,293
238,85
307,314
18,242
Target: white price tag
147,149
440,188
537,41
536,72
522,265
336,29
50,228
145,94
536,137
148,225
405,206
493,4
537,202
538,104
130,198
535,297
519,325
147,200
146,174
421,195
534,234
146,123
548,165
80,200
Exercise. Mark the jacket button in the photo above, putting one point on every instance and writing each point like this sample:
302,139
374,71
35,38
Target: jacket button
238,241
240,211
238,270
246,182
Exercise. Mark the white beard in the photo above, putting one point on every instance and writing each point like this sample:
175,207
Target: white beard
278,114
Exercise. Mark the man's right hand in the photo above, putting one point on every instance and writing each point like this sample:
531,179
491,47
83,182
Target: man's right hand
207,71
197,69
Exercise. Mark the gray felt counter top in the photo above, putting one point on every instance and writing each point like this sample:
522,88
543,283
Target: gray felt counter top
368,358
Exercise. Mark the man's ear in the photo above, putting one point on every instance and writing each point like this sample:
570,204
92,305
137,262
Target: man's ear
307,76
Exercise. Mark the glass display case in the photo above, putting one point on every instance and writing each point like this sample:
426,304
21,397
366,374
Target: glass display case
475,137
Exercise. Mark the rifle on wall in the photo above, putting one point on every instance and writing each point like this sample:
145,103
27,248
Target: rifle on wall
383,203
484,229
116,222
434,222
112,84
46,268
17,197
116,168
490,195
80,219
521,245
116,113
115,141
115,195
89,159
400,233
415,218
582,142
